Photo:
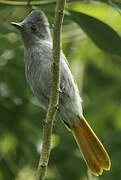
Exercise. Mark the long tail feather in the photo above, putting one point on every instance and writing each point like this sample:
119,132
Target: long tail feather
93,151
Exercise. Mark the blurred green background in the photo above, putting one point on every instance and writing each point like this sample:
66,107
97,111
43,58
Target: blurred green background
92,45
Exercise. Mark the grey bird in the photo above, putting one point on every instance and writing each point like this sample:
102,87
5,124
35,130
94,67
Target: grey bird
37,40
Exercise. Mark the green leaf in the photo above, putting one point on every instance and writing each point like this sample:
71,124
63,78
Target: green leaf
101,34
116,6
99,10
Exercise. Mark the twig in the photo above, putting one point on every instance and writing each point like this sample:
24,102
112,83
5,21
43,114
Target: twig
29,3
32,3
54,94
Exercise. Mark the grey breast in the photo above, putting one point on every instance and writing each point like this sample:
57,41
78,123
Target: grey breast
38,73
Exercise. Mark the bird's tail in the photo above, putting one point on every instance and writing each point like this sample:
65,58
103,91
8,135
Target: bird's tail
92,149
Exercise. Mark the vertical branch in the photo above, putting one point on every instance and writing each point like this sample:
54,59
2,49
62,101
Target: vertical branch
54,93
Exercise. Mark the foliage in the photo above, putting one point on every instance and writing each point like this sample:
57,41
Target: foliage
95,58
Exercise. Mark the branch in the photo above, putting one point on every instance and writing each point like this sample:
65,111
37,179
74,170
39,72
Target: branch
54,93
32,3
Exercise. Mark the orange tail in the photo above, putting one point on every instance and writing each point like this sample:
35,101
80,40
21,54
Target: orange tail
93,151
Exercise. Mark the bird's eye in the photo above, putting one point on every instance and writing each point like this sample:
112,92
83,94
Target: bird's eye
33,27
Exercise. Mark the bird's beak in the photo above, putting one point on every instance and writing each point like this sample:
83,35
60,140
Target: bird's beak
17,25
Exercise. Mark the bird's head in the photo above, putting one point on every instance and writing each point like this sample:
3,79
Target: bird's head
34,25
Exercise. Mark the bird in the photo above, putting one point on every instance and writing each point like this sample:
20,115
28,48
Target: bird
37,40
